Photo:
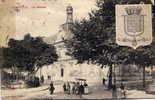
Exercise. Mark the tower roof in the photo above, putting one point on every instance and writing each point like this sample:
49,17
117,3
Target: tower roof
69,8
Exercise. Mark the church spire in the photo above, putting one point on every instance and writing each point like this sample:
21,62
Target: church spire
69,11
67,26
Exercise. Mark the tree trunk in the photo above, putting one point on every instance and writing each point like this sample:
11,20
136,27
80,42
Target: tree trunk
114,76
143,76
151,70
13,73
32,73
110,78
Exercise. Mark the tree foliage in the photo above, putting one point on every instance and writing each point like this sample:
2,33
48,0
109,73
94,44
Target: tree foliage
94,38
28,54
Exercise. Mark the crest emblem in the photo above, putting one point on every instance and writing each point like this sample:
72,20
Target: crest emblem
133,23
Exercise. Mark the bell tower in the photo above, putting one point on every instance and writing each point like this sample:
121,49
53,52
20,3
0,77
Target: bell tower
68,25
69,22
69,11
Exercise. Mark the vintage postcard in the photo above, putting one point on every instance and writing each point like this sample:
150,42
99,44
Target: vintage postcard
77,49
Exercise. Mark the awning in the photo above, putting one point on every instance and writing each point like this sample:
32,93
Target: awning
80,79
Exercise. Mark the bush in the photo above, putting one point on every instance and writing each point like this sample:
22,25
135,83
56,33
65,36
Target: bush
33,82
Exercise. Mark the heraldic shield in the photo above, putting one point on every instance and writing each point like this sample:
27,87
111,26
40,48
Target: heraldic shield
134,23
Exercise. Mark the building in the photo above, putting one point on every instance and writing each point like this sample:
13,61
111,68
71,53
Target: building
67,69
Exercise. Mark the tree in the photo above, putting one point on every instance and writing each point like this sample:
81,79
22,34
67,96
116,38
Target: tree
28,54
94,39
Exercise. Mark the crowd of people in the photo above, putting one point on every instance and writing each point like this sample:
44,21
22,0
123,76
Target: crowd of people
75,88
72,88
80,88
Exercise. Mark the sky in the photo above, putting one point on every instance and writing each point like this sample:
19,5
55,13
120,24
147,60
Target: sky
46,21
15,23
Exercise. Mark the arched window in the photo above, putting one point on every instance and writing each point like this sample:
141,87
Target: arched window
62,72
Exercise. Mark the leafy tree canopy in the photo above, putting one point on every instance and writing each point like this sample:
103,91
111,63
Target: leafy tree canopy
29,54
94,38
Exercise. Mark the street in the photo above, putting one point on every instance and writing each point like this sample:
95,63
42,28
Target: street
42,93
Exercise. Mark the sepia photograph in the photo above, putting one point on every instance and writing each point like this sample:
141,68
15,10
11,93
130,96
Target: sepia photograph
77,49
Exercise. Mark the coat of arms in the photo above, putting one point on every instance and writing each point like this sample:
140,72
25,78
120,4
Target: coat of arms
134,23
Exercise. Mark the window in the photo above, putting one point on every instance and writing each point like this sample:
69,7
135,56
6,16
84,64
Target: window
62,72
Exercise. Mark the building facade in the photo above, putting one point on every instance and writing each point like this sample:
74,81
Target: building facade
67,69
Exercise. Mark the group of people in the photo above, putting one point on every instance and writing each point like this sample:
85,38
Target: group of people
79,88
75,88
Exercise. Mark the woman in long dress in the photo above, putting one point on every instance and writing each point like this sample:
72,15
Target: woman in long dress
85,88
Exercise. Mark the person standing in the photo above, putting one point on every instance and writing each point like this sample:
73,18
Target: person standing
114,91
80,90
74,88
68,88
85,88
71,87
51,88
103,81
123,92
65,87
77,88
